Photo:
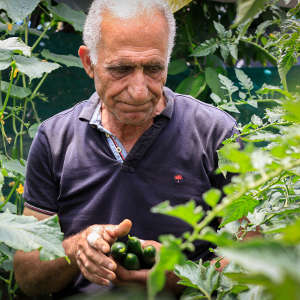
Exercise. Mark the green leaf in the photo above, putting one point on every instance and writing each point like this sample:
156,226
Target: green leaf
192,85
187,212
28,234
265,257
177,66
292,110
227,84
33,130
198,276
244,80
291,234
256,120
229,107
16,91
217,100
212,80
5,59
220,29
225,51
220,239
248,9
18,10
238,209
212,197
15,166
68,60
33,67
285,63
65,13
15,44
232,159
169,255
206,48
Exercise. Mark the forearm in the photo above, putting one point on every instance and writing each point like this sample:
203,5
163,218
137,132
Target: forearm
36,277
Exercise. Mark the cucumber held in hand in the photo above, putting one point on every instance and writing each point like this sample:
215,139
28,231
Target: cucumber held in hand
118,251
149,253
134,246
131,262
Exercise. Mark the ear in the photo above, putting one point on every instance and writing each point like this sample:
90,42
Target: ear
84,54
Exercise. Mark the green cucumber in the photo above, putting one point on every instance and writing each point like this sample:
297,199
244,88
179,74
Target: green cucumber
118,251
131,262
134,246
149,254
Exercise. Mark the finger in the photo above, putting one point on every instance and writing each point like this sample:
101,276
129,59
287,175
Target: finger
120,230
96,263
131,275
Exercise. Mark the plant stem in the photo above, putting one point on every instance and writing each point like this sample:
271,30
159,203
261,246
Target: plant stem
8,92
272,58
41,36
26,31
0,88
189,37
10,193
228,200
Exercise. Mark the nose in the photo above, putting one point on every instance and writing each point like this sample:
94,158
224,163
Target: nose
138,89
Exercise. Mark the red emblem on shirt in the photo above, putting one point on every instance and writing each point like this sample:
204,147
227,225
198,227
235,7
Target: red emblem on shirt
178,178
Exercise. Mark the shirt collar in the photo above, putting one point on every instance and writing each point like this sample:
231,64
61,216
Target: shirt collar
90,110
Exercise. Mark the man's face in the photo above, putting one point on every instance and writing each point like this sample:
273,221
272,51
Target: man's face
132,67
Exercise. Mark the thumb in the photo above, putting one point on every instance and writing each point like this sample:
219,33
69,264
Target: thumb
122,229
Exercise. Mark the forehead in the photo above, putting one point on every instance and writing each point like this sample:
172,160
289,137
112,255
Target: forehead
147,33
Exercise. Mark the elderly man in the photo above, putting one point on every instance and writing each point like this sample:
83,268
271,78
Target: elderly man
101,165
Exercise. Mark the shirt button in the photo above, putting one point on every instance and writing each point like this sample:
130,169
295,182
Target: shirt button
119,150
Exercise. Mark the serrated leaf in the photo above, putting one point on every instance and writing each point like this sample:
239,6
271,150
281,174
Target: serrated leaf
260,159
206,48
261,28
220,239
197,276
192,85
68,60
33,67
169,255
18,10
176,5
16,91
187,212
230,107
65,13
233,50
238,209
177,66
285,63
244,80
217,100
228,84
225,51
256,120
220,29
28,234
15,44
248,9
212,197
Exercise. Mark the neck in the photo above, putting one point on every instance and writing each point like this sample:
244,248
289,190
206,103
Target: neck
128,134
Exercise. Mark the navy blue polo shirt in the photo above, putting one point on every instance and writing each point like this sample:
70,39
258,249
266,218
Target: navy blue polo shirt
72,171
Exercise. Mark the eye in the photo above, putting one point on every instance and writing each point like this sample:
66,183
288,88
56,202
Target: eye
120,71
153,70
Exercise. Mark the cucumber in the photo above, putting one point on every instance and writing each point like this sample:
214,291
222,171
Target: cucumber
149,254
131,262
118,251
134,246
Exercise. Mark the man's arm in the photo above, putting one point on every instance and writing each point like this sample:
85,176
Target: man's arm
36,277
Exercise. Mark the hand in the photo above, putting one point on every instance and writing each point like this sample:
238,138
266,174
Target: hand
125,277
92,246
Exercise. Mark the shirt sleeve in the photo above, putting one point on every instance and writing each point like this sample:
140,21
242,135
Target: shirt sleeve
41,188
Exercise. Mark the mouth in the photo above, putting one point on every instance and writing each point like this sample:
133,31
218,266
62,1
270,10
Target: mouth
135,107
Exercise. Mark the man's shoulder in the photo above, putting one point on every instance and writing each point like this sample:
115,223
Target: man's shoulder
69,118
201,111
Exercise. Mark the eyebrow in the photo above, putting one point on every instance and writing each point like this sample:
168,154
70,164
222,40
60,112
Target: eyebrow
126,63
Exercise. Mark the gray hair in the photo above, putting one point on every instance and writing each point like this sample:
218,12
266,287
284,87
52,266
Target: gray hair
123,9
